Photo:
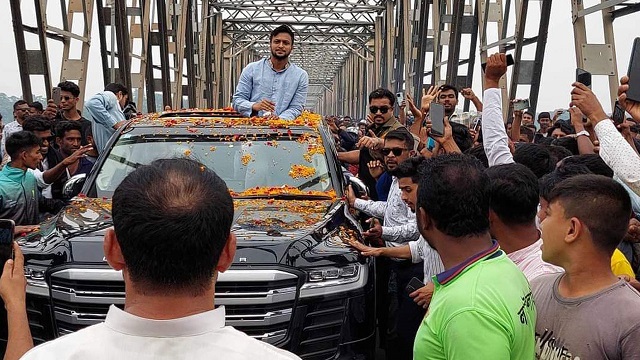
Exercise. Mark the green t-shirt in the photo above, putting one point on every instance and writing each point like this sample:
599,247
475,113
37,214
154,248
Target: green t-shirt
481,309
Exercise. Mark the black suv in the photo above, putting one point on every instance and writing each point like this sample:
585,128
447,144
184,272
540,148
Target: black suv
294,282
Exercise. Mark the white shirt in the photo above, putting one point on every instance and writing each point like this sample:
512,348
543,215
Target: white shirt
432,264
125,336
618,154
9,129
529,261
399,224
494,134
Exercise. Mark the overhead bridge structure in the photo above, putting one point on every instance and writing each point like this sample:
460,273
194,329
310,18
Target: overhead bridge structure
190,53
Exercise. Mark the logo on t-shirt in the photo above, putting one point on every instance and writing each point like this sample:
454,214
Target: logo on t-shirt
550,348
527,302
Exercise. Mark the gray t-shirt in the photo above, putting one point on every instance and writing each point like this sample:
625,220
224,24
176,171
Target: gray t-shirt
605,325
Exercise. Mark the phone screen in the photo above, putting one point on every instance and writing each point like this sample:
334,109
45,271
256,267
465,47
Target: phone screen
431,144
6,241
400,97
414,284
618,114
521,104
436,113
634,72
584,77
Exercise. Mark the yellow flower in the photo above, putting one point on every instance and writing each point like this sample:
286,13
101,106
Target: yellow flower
301,171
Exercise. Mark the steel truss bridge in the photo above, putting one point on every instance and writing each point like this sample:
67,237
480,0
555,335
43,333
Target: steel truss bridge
193,51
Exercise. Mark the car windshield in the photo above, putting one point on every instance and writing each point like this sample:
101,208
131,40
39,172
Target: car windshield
290,163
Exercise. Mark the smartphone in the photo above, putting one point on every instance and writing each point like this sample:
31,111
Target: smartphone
55,95
521,104
618,114
510,62
583,77
477,123
431,144
564,116
634,72
7,228
399,97
436,114
414,284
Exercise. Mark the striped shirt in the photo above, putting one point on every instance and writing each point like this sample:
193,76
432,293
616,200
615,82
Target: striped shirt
421,251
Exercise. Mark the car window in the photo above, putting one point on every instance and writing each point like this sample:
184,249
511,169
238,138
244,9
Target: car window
299,163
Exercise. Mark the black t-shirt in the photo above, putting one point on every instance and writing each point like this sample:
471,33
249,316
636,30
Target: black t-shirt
84,123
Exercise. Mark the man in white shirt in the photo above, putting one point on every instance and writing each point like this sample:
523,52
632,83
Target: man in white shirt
20,113
514,187
169,271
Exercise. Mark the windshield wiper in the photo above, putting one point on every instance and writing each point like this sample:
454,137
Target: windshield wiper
286,197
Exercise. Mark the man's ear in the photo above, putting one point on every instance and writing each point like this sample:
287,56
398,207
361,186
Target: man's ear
425,220
575,231
227,255
112,251
492,216
58,141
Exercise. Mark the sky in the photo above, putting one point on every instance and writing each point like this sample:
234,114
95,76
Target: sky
557,75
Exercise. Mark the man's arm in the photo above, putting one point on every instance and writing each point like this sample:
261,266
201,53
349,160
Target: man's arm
393,235
400,252
98,107
585,146
55,172
351,157
370,207
242,97
495,140
299,99
517,124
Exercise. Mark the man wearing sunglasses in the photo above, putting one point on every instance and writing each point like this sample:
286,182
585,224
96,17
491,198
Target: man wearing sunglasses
398,228
41,127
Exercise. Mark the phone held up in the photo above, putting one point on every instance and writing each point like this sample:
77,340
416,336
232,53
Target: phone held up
618,114
521,104
436,113
634,72
510,62
7,228
55,95
583,77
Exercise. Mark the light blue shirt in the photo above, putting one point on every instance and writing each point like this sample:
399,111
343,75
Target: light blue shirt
287,88
104,112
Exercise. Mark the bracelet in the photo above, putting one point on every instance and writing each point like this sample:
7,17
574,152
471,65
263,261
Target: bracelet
581,133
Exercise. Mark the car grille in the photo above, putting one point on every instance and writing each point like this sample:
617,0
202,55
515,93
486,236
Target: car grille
257,302
321,333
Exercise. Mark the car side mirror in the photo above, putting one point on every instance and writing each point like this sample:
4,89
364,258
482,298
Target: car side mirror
73,186
359,187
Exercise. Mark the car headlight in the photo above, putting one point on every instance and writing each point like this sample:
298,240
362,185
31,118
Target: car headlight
36,283
331,280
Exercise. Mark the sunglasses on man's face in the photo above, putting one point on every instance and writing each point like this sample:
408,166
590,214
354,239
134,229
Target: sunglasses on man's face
395,151
66,98
382,109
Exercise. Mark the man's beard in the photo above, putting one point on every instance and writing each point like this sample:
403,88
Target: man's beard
279,57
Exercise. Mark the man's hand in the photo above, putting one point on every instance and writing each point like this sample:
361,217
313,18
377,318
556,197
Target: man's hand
51,111
351,196
448,132
583,98
576,118
375,168
517,114
633,232
19,230
264,105
427,98
372,141
403,104
495,69
468,93
632,107
13,284
332,125
80,153
375,230
422,296
366,250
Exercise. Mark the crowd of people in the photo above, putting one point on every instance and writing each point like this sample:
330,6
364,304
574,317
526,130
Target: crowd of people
500,240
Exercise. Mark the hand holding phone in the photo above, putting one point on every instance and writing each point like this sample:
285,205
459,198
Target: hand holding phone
7,229
414,284
583,77
510,62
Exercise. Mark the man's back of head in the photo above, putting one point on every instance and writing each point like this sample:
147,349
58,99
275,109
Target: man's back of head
454,193
534,156
172,220
514,193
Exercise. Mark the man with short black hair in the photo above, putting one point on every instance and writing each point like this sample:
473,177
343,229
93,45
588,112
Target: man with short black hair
274,85
18,187
41,127
527,118
448,97
104,110
471,315
36,108
69,139
69,97
169,308
579,311
20,113
544,120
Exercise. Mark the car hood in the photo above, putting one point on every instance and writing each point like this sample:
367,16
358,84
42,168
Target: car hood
298,233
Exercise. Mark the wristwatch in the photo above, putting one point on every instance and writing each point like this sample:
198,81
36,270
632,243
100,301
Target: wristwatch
583,132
